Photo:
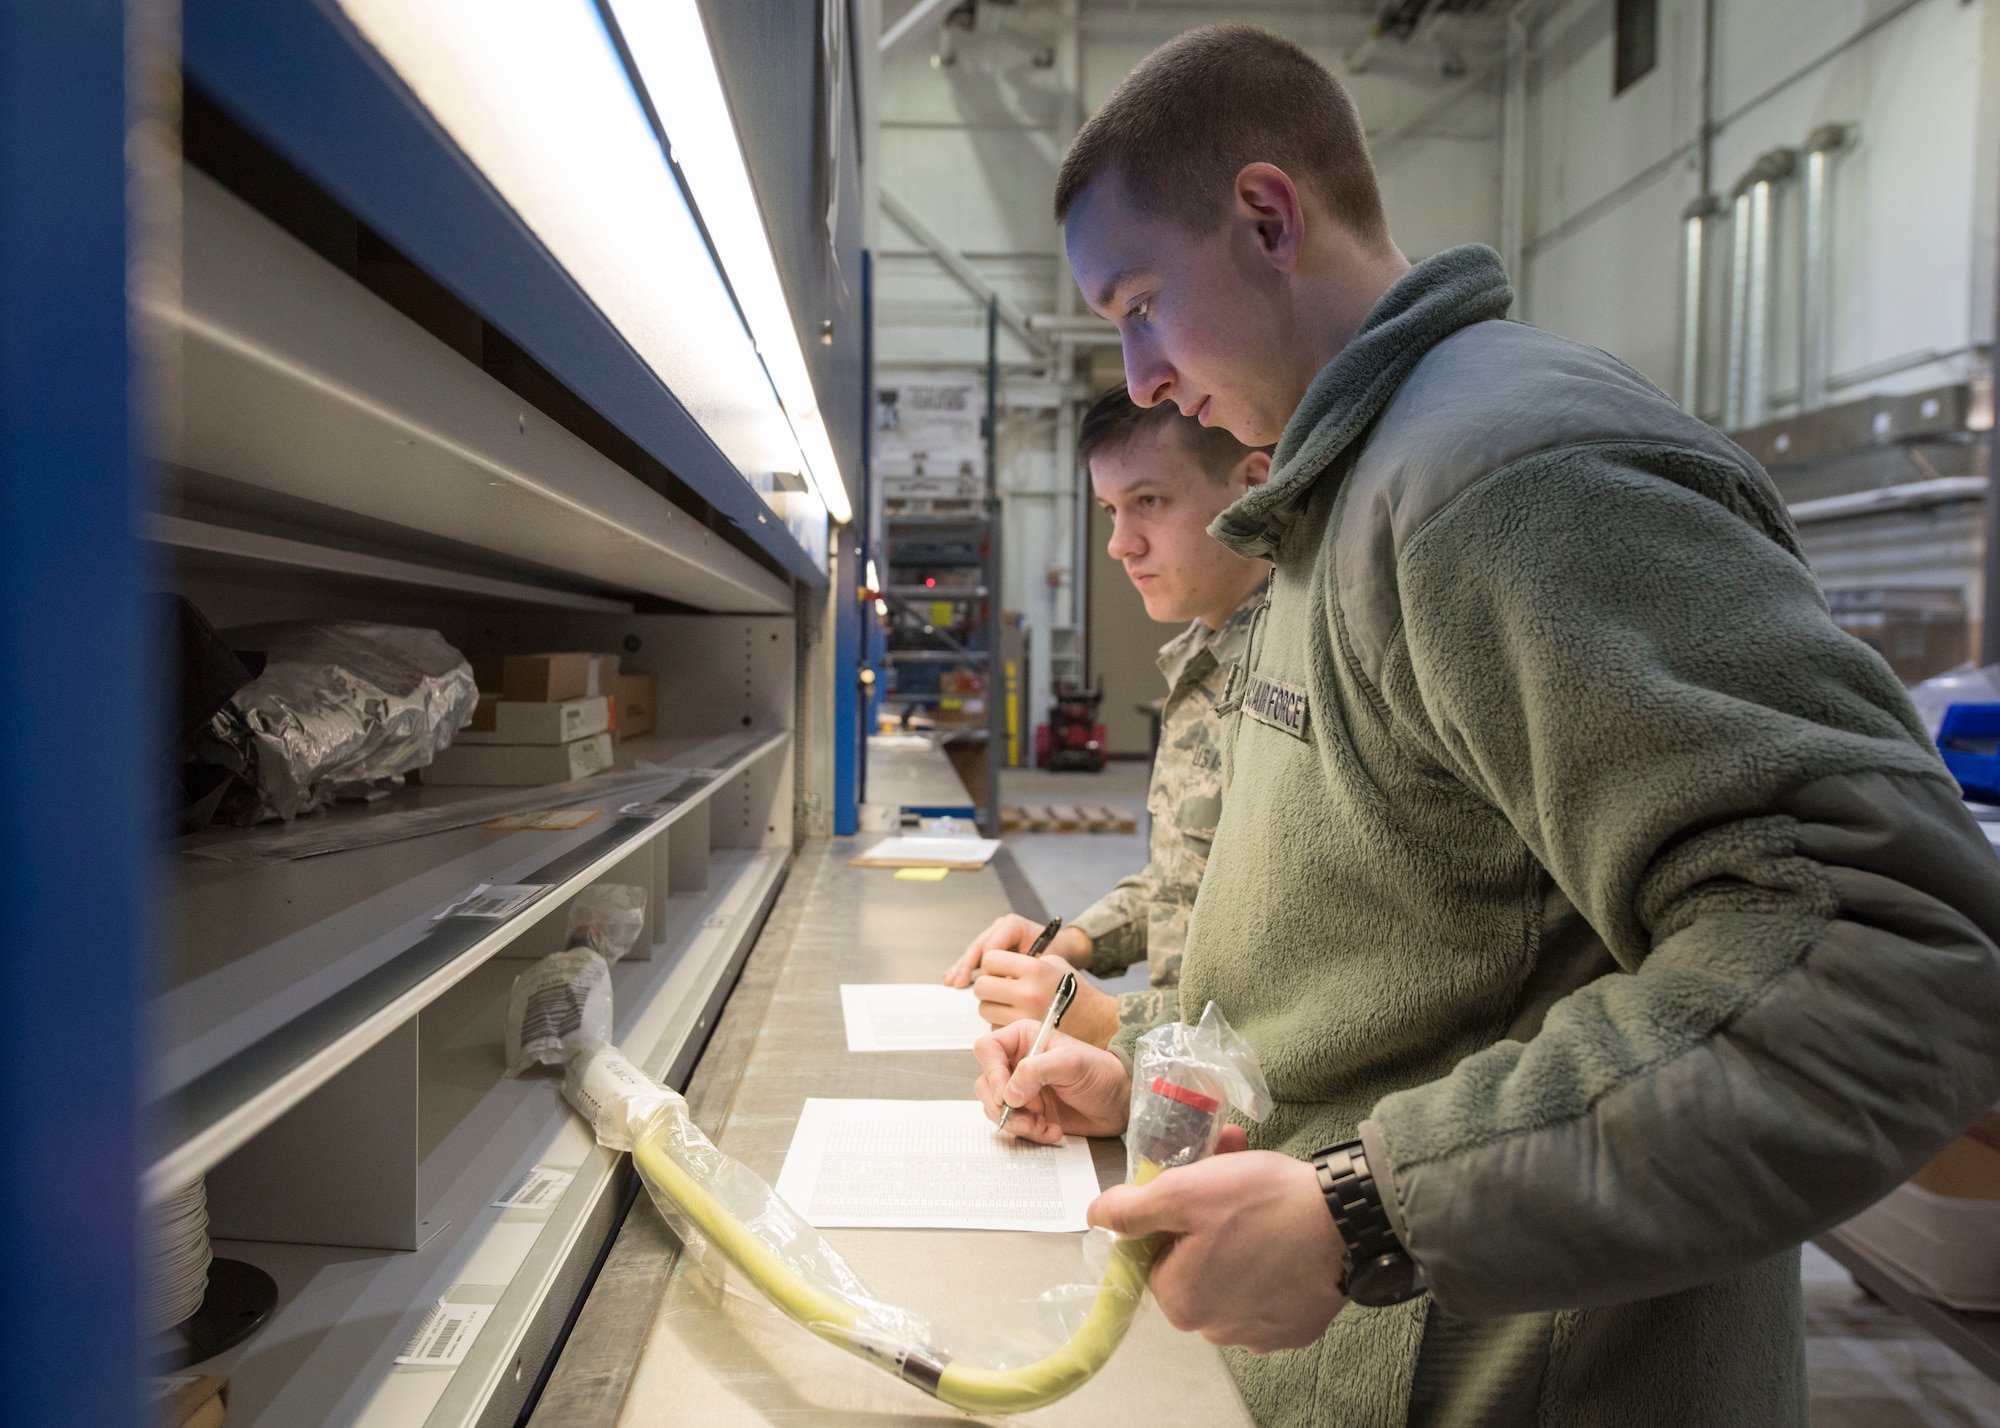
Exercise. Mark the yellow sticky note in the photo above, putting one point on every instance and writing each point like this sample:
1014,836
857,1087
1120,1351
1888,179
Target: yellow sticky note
922,875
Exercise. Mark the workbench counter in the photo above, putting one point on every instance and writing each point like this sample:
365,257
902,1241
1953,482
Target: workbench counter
662,1341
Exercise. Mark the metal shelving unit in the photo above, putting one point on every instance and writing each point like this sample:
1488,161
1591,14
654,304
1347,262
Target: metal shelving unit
932,541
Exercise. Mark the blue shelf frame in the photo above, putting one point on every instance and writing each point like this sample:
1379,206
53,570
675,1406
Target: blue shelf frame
75,828
298,74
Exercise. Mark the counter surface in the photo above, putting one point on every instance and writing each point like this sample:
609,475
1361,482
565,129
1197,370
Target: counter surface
718,1355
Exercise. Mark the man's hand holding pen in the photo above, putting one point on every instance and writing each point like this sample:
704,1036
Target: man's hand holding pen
1012,985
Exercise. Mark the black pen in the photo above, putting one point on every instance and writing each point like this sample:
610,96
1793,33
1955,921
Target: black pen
1048,936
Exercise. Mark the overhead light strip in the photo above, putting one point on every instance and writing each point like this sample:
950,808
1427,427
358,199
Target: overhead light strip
669,46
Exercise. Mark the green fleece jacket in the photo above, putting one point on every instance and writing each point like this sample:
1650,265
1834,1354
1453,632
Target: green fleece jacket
1570,845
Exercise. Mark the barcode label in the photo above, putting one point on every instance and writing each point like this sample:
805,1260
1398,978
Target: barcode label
539,1189
553,1012
489,900
446,1336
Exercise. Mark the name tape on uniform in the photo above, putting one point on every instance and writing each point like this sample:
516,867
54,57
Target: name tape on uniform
1281,706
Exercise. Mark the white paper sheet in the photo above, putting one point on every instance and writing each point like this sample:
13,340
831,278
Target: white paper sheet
930,1165
934,850
910,1016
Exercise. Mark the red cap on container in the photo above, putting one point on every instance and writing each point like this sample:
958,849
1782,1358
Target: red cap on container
1206,1104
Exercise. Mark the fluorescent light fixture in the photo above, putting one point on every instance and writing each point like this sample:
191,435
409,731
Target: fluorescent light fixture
874,580
669,46
535,94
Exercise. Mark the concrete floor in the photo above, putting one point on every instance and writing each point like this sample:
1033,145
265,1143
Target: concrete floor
1073,870
1867,1366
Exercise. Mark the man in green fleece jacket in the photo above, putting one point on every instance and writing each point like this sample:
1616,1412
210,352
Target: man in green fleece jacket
1601,915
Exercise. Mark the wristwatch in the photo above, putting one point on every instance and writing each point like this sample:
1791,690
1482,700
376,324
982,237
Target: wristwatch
1375,1269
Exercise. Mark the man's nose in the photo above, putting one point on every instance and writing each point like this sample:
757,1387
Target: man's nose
1148,380
1125,542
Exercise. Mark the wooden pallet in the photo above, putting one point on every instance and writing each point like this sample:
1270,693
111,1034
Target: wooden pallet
1064,818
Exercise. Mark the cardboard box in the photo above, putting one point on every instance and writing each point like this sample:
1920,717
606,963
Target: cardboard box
545,678
553,678
638,704
519,765
503,721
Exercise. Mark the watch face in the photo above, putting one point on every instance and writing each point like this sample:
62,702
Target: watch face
1386,1279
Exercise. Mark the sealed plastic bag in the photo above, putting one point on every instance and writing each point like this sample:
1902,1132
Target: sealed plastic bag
724,1212
607,918
340,706
1182,1077
559,1010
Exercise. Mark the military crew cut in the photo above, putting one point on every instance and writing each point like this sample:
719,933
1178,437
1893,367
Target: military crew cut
1183,124
1115,419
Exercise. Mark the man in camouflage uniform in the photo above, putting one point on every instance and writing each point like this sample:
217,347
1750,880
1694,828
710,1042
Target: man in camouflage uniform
1162,477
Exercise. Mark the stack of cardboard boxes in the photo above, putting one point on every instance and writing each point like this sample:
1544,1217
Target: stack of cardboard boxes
545,718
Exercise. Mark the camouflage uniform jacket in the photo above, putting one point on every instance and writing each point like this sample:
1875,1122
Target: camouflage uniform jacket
1146,914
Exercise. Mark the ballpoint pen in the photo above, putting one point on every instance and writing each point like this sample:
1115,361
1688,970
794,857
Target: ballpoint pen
1040,944
1065,994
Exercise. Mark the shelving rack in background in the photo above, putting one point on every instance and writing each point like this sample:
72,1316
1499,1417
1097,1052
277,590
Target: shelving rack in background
942,585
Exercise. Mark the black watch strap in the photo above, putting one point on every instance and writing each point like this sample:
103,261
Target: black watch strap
1375,1268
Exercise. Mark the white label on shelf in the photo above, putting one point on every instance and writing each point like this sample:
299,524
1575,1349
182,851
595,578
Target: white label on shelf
539,1189
446,1336
487,900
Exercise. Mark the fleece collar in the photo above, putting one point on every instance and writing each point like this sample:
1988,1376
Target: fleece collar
1437,297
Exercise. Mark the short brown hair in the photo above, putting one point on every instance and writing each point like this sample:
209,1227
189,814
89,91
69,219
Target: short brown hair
1114,419
1197,109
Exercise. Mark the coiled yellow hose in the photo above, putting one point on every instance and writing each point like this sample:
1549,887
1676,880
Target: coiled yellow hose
834,1319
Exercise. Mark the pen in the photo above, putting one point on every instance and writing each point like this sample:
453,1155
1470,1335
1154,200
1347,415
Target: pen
1041,942
1065,994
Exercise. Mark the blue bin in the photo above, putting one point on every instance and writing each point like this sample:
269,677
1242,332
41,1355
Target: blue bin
1969,739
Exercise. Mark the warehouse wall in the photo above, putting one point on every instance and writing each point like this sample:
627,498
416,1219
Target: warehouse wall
972,145
1914,203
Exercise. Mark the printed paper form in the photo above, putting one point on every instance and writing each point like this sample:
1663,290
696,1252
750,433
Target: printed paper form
910,1016
934,1165
947,852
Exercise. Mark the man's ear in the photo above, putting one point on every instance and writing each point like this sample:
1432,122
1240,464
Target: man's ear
1268,200
1252,471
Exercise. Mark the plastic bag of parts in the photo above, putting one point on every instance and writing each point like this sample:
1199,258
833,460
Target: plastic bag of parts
607,918
1182,1077
559,1010
1968,684
341,707
726,1214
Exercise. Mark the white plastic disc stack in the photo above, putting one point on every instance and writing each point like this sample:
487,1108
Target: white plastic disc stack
180,1255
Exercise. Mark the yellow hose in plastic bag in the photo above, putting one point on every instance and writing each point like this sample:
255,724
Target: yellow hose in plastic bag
828,1315
1183,1077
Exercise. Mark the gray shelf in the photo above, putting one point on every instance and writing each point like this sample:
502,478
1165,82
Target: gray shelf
284,972
297,381
937,657
327,1356
931,592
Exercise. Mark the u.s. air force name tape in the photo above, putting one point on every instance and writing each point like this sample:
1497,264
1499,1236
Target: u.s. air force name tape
1280,705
